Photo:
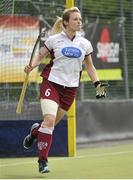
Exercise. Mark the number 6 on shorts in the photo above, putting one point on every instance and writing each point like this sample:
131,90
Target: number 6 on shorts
47,92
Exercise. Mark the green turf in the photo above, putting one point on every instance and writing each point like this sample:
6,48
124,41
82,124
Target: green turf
114,162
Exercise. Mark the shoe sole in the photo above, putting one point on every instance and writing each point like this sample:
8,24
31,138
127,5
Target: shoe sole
35,125
24,143
45,171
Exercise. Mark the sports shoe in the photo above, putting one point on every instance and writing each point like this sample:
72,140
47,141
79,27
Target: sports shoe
43,166
30,139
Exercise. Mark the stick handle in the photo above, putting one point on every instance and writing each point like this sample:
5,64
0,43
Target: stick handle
21,99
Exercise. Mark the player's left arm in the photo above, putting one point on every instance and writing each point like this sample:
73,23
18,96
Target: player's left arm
91,70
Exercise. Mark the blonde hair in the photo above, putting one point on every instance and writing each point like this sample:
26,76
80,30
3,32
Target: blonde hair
69,10
59,23
57,27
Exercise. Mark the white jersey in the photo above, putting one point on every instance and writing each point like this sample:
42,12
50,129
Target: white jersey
66,59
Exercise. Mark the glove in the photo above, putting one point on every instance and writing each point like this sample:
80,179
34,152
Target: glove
101,89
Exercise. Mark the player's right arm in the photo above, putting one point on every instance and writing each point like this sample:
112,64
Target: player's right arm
36,60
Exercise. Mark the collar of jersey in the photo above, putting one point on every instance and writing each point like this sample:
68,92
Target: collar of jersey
64,34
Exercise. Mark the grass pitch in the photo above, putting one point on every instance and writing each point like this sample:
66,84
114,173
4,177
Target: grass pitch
112,162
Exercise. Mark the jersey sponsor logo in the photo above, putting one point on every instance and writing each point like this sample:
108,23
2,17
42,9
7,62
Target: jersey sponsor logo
71,52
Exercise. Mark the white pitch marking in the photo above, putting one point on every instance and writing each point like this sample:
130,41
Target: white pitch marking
69,158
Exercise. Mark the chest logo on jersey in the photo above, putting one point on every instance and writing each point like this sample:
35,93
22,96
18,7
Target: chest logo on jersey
71,52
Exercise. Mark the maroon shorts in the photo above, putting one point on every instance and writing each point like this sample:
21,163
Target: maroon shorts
64,96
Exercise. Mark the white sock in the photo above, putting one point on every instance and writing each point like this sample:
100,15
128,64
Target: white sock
46,130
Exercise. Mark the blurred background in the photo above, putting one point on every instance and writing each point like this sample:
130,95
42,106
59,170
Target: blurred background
109,27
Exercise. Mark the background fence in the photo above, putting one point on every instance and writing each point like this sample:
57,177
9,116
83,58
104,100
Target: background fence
102,12
113,18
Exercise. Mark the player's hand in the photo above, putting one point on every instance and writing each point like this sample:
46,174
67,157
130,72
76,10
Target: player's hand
28,69
101,90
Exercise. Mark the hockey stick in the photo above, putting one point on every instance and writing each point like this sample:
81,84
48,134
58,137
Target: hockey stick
22,95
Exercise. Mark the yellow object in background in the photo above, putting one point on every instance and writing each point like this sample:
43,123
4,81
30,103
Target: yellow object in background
71,114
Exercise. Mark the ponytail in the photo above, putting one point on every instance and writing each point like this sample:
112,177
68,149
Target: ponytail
57,27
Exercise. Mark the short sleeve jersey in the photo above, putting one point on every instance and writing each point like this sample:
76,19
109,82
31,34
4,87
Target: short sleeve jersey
66,58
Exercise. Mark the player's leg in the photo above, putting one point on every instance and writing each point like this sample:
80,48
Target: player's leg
60,114
49,105
45,132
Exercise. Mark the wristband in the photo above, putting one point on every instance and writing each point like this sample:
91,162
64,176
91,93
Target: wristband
96,83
